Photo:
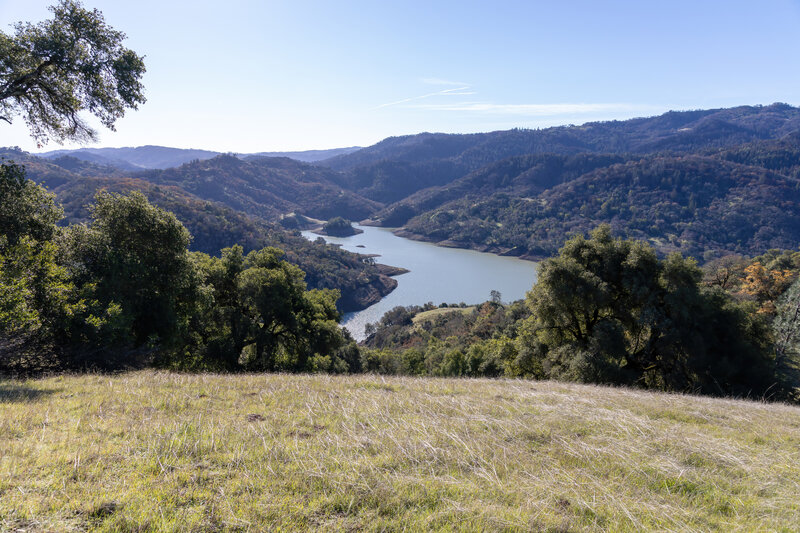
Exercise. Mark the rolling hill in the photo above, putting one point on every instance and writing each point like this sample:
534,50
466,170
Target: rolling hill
705,182
700,206
213,225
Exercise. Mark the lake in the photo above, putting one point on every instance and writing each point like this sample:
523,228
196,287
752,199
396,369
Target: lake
437,274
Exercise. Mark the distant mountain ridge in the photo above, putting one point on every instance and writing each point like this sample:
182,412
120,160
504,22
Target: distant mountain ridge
671,131
162,157
705,183
308,156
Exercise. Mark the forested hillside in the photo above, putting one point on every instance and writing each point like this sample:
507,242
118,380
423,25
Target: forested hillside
706,183
673,131
265,187
667,179
213,225
702,207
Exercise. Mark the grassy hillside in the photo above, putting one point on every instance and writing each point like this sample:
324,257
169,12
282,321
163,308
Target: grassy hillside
154,451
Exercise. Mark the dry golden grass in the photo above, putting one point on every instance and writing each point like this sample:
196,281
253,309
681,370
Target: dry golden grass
427,316
158,451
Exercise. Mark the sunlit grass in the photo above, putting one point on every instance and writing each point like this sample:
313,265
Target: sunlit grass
427,316
158,451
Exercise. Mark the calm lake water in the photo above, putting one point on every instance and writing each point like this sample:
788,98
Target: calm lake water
437,274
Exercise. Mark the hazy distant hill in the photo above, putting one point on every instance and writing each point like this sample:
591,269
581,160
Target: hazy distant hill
161,157
93,158
138,158
307,156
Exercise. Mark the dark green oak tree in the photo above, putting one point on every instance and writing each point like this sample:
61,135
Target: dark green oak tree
607,310
52,71
786,329
257,314
136,255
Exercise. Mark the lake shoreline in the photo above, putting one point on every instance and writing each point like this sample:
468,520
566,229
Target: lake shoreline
431,273
483,248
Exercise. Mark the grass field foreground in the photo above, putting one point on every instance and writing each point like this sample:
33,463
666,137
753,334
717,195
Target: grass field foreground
149,451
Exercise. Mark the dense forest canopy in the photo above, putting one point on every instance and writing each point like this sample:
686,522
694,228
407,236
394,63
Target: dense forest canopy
124,290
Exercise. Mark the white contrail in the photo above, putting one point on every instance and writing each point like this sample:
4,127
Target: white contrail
457,91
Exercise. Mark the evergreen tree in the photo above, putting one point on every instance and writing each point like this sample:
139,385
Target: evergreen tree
52,71
607,310
786,329
136,255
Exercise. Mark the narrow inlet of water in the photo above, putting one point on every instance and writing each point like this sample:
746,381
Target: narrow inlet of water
437,274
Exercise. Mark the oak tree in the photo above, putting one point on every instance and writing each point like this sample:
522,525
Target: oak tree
52,71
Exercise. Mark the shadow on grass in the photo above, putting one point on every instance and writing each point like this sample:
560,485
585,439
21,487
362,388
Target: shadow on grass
15,393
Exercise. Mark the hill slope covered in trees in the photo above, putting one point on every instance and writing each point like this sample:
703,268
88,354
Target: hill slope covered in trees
212,224
706,183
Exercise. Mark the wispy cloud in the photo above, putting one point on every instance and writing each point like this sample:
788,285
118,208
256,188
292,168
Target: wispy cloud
456,91
537,110
437,102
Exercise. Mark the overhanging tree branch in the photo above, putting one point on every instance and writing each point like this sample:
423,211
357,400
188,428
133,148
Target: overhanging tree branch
52,71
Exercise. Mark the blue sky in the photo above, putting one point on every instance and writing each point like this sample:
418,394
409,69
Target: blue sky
247,76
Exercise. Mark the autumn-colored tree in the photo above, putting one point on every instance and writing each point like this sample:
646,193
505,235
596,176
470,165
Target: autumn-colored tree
765,285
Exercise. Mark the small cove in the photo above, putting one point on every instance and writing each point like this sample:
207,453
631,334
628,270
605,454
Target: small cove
437,274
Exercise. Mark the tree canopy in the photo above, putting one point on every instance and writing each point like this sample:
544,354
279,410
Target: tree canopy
608,310
52,71
124,290
786,328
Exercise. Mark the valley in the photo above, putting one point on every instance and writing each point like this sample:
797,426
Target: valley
436,274
718,187
703,183
673,180
415,266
